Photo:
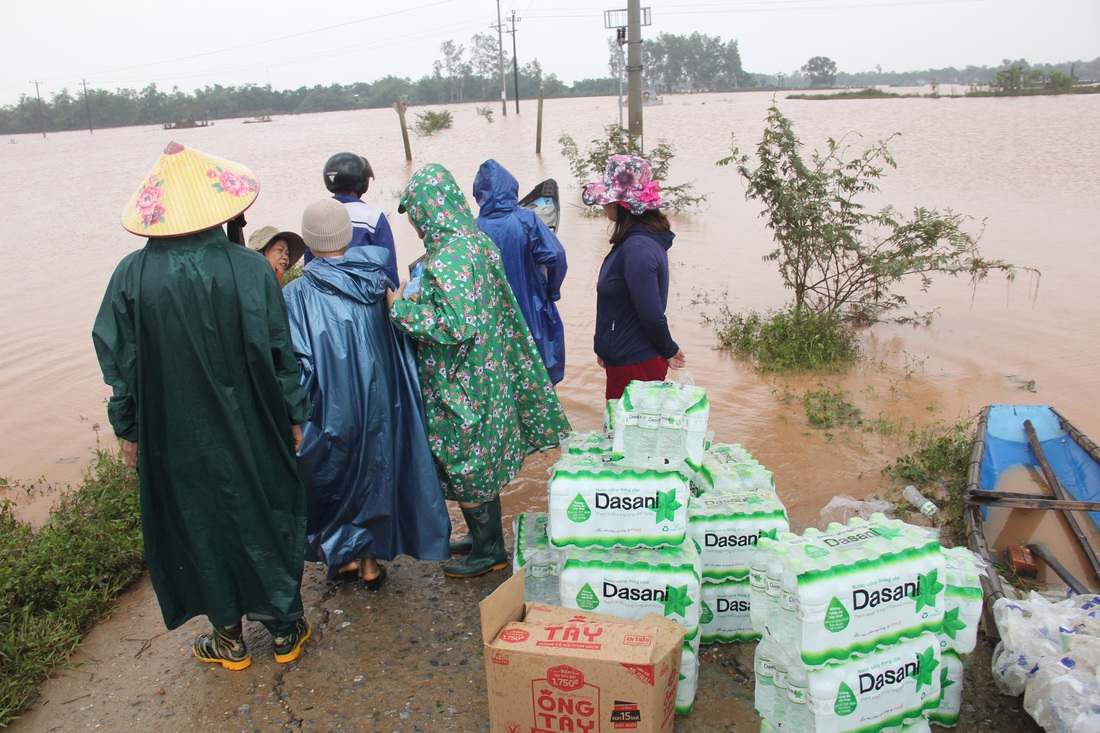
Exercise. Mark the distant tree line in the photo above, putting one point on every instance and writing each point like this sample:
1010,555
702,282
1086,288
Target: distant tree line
471,73
816,72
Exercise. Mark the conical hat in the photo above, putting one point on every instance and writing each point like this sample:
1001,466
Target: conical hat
188,191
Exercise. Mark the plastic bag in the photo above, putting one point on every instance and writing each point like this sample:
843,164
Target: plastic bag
1050,652
842,507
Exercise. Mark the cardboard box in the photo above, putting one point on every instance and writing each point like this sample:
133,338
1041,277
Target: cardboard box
551,669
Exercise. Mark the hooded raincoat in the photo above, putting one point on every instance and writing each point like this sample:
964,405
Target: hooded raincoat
192,336
371,486
488,398
533,258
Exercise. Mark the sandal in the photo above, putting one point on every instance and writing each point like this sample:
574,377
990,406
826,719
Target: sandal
375,583
348,573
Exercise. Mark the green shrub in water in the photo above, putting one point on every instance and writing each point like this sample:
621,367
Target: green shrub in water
58,580
428,123
786,340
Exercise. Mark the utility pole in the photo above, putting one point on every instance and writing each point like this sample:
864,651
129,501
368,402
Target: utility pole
41,123
515,59
634,68
87,106
500,57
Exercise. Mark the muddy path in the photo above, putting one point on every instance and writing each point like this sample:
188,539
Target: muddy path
407,658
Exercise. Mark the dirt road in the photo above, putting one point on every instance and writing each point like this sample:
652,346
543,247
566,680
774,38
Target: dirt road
407,659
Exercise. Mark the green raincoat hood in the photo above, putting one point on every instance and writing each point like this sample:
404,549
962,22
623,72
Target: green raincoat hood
437,206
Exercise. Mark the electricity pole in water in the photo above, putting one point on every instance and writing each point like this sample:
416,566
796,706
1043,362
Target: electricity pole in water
87,106
515,59
41,123
634,68
500,57
628,25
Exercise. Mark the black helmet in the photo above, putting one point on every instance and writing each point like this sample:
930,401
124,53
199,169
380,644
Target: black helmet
347,172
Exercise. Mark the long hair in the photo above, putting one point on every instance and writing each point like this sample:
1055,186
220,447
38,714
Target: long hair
654,221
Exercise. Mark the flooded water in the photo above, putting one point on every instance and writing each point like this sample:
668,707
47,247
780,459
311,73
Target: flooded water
1026,169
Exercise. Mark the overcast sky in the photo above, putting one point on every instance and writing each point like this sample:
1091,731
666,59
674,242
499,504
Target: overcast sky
289,43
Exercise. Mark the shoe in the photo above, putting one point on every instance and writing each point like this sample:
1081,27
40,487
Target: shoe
375,583
287,648
488,551
228,650
349,573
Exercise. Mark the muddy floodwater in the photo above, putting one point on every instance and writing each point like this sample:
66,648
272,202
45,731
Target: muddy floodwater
1026,170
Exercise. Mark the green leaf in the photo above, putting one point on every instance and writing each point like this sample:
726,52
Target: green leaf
667,504
677,601
929,588
926,664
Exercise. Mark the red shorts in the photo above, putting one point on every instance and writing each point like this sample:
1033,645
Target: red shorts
619,376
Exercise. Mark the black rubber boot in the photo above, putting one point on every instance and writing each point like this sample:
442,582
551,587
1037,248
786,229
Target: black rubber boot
488,551
464,545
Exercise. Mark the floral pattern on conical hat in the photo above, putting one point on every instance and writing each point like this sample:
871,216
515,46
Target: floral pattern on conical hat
188,191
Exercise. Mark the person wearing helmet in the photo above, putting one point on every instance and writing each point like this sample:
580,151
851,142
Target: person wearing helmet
347,176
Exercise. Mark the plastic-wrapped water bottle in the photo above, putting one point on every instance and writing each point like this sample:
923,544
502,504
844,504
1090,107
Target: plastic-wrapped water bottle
758,581
540,585
765,679
779,681
670,438
787,622
798,716
773,588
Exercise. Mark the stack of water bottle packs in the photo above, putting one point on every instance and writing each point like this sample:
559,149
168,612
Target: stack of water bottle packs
863,627
647,517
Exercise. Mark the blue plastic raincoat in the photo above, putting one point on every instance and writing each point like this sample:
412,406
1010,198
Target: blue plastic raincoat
534,260
371,485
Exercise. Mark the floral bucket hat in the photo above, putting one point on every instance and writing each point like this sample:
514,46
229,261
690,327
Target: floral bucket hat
628,180
188,191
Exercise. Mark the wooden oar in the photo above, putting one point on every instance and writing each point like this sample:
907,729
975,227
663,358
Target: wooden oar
1041,552
1060,493
1028,501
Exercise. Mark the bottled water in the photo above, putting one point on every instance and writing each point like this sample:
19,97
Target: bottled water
924,506
797,711
670,434
642,450
758,583
764,663
540,583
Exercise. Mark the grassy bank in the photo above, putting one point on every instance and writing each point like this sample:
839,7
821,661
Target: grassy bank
58,580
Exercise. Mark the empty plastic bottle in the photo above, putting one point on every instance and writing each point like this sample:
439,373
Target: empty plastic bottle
923,505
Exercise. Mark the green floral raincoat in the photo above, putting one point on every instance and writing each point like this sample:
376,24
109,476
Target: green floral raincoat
488,398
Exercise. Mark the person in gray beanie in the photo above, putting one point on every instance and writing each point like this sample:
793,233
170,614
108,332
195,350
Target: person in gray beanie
371,487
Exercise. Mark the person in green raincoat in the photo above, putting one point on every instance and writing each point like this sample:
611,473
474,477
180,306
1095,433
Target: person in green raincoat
488,398
193,338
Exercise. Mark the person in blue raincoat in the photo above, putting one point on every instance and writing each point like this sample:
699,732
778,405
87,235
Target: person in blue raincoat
534,260
371,487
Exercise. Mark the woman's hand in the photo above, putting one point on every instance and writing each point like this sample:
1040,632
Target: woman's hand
679,361
394,295
600,362
296,433
129,454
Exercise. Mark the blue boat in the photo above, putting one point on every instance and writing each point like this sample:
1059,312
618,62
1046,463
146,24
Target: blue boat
1072,462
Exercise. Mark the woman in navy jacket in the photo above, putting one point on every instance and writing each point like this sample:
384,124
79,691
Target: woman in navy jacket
632,339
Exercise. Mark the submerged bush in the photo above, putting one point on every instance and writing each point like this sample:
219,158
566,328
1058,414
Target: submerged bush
937,465
786,340
428,123
58,580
